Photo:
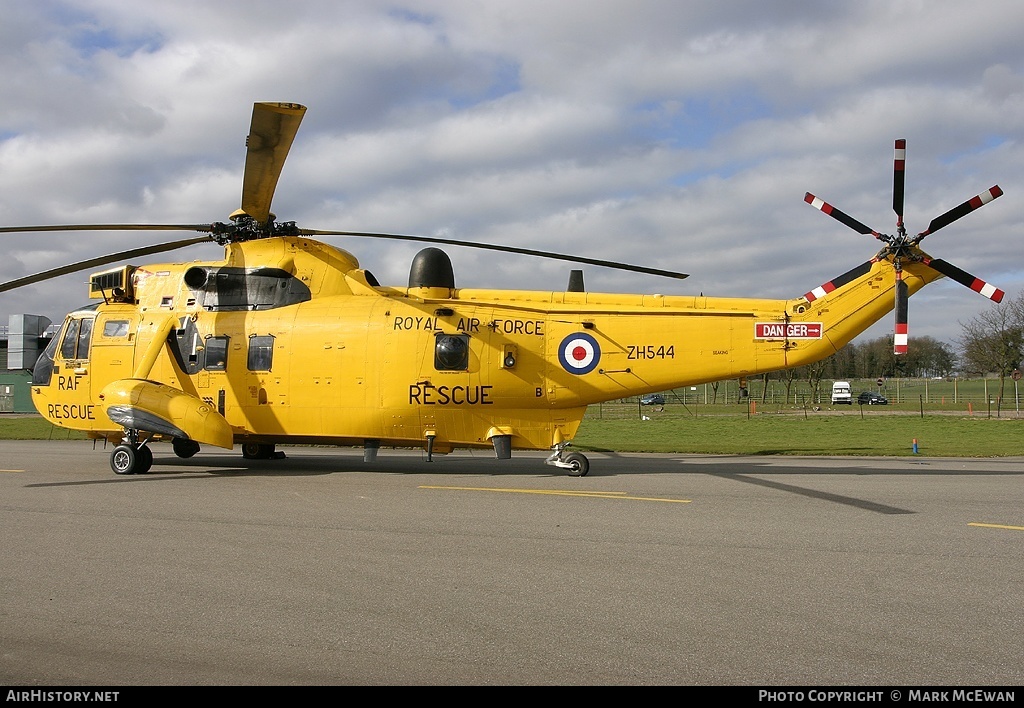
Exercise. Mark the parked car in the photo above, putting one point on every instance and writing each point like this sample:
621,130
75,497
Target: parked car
872,399
841,393
652,399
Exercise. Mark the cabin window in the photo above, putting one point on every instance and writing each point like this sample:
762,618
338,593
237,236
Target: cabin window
217,353
261,352
115,328
77,337
451,352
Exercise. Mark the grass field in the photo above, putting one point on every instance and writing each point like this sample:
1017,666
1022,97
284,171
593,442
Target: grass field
33,427
857,432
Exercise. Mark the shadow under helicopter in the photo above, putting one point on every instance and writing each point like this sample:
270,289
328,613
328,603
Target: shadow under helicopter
299,461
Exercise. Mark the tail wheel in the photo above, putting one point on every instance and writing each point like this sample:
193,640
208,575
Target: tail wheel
579,465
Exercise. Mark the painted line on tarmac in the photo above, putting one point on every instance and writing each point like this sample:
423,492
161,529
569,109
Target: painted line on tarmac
996,526
559,493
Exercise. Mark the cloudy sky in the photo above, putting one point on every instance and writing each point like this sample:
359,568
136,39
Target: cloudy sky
680,135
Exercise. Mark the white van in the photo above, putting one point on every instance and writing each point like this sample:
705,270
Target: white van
841,393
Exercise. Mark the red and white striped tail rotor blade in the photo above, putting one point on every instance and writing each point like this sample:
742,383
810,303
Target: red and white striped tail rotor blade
901,332
898,177
838,215
961,210
839,281
964,278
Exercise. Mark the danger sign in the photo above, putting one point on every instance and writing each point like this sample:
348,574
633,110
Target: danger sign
787,330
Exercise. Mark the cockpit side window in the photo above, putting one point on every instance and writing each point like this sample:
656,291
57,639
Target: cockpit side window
77,337
70,341
84,339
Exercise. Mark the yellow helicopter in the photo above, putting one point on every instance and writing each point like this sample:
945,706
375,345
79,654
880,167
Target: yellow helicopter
288,341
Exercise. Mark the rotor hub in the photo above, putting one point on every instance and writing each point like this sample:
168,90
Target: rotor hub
245,228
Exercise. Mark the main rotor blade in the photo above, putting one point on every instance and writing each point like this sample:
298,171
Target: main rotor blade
102,261
201,228
505,249
898,165
270,138
840,216
964,278
901,333
958,211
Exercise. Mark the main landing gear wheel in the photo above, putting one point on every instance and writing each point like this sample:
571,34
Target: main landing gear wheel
129,459
257,451
184,448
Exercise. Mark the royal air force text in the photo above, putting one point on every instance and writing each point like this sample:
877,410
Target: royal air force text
470,325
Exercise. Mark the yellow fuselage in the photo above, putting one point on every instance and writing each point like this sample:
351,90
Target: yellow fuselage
357,362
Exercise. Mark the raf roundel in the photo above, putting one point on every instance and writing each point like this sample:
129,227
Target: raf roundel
579,353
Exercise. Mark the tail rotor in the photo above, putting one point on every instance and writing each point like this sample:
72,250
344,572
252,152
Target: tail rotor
900,248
